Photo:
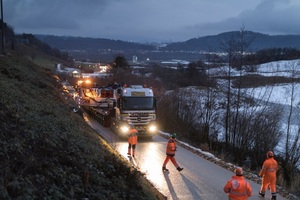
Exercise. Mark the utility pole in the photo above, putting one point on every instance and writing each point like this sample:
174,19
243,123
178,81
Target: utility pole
2,29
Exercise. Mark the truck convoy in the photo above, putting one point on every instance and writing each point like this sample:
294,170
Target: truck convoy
118,106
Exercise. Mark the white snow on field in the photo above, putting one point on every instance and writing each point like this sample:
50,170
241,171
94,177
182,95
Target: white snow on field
287,68
279,93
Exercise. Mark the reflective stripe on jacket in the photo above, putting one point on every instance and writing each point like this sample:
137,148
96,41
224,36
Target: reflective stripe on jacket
132,136
238,188
270,166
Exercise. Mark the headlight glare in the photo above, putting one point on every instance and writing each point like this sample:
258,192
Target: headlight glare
152,128
124,129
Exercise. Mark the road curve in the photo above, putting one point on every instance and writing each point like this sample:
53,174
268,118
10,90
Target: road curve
200,179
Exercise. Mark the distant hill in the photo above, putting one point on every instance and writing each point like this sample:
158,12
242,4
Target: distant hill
105,49
257,42
95,49
81,43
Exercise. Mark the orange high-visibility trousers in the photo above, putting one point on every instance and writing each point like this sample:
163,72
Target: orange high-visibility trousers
172,158
268,179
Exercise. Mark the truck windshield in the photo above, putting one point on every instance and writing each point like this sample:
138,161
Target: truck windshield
138,103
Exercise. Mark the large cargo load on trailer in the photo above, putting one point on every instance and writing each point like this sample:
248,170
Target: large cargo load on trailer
98,102
117,106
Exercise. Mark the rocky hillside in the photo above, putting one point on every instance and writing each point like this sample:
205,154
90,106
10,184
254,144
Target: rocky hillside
47,150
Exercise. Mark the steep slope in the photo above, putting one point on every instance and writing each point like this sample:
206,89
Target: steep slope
49,152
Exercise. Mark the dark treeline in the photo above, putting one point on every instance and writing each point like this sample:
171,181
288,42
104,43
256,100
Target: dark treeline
195,74
11,40
268,55
94,44
32,41
8,36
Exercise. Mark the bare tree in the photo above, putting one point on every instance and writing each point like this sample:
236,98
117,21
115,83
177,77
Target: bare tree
230,48
291,156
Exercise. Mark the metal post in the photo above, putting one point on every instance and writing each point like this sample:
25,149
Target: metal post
2,29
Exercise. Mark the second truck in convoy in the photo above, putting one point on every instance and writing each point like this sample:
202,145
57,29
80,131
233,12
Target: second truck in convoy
118,105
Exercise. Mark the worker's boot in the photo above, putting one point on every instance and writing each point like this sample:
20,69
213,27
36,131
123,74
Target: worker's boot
179,169
165,169
273,198
129,152
261,194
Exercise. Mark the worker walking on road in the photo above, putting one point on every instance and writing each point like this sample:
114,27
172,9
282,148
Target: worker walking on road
170,152
132,140
268,174
237,187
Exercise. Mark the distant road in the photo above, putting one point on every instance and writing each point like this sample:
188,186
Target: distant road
200,179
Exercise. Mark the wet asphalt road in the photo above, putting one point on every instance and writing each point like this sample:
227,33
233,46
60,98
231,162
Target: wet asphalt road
199,180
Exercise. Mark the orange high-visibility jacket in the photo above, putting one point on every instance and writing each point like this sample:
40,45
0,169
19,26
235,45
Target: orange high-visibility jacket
238,188
269,167
171,147
132,136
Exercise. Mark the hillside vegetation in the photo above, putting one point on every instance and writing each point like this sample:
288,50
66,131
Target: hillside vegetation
48,151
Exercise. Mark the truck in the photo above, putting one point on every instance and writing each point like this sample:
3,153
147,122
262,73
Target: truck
118,106
135,105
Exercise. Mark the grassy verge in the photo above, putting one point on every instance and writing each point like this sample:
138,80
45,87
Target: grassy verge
48,151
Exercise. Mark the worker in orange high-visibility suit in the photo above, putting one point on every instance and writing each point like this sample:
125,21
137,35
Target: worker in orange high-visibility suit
237,187
268,174
170,152
132,140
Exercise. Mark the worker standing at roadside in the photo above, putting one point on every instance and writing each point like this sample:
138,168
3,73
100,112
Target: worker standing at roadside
132,140
237,187
170,152
268,174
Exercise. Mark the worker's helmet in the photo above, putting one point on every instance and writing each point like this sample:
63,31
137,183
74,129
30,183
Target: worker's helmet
174,135
238,171
270,154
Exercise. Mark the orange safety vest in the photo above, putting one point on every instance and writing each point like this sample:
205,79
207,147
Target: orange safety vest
171,147
132,136
269,167
238,188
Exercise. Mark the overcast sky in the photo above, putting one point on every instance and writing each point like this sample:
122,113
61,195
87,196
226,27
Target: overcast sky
151,20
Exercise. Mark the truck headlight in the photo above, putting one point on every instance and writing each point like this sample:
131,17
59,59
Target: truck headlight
124,129
152,128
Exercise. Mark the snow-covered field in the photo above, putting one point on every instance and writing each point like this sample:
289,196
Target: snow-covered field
280,93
